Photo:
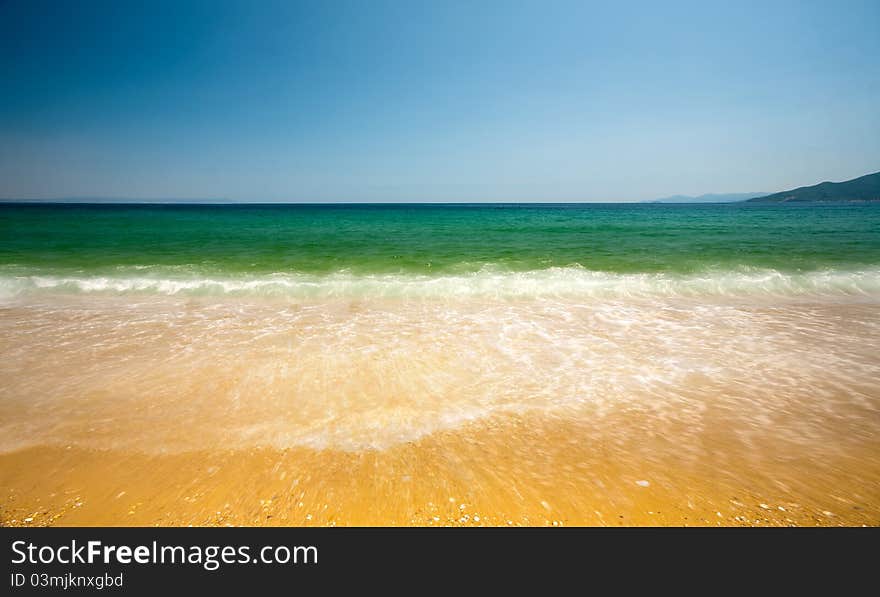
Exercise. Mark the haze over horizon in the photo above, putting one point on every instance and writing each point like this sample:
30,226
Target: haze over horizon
434,102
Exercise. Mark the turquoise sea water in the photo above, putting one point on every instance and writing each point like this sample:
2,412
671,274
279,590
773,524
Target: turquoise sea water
177,328
389,249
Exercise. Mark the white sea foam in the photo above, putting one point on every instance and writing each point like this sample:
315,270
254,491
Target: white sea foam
568,282
97,360
173,374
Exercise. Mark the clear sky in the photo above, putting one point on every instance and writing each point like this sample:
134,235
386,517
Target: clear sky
434,101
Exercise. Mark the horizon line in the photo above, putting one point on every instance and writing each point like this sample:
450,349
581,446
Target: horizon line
8,201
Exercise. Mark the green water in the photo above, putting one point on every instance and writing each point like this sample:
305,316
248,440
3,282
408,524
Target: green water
434,239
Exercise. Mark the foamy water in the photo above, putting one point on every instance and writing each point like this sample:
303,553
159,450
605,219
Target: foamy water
169,373
575,283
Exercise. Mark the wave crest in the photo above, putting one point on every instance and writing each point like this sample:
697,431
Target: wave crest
569,282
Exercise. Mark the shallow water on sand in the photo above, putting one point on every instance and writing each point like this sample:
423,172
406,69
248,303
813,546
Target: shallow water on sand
170,375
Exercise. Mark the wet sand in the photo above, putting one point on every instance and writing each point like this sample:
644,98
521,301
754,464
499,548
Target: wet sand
517,471
559,413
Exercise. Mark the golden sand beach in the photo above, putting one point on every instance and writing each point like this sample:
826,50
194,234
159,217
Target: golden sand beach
189,412
515,472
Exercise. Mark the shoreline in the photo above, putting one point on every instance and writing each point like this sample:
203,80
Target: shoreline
521,471
177,413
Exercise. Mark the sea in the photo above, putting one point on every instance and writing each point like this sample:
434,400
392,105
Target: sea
172,328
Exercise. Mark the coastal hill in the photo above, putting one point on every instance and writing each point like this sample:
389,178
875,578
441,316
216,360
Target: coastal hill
863,188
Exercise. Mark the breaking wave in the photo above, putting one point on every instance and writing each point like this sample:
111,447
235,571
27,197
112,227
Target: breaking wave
569,282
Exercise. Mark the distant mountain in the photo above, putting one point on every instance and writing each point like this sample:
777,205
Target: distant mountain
863,188
708,198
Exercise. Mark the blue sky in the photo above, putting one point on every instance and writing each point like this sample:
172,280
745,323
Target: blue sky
434,101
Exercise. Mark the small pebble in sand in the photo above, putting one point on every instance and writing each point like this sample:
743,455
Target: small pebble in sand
29,519
827,513
643,483
764,506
